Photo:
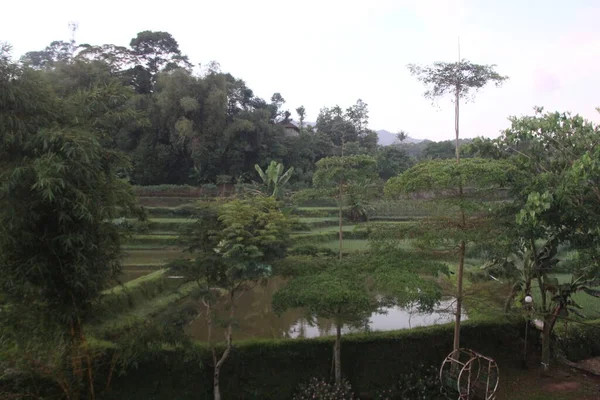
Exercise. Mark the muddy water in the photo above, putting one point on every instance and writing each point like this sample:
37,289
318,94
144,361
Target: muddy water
255,319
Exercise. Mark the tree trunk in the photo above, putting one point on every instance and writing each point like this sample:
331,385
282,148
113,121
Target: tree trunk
341,206
225,355
459,294
549,322
456,120
462,246
338,354
341,223
546,345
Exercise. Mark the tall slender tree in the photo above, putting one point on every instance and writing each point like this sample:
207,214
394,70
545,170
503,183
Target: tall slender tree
461,79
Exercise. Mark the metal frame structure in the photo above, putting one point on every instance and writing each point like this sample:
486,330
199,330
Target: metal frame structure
472,375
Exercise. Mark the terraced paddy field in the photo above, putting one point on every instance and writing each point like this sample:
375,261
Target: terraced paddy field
152,249
157,240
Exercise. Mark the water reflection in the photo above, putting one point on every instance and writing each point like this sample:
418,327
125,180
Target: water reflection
256,319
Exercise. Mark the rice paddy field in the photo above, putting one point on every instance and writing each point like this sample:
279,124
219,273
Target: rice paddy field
150,250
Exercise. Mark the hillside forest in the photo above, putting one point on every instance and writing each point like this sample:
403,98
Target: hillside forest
181,124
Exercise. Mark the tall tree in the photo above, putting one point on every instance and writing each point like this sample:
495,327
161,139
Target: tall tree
234,245
446,180
349,291
301,111
335,177
460,79
556,202
59,192
154,51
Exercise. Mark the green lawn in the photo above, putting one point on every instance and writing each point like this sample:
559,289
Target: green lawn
326,229
172,220
309,220
142,312
317,208
348,245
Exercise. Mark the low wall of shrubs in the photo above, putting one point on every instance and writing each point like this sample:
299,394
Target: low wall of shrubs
274,369
578,341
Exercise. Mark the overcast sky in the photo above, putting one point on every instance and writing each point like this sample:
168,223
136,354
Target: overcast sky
324,52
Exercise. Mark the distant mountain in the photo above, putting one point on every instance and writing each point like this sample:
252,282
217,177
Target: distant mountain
385,138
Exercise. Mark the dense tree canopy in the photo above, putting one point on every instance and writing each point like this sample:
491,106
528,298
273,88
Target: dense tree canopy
180,127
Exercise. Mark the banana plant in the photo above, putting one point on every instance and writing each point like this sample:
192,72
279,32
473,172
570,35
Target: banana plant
273,178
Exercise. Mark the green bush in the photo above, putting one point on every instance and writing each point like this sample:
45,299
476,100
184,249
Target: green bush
578,341
320,389
318,238
319,203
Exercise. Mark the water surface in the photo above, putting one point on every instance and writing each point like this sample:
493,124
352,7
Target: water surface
254,318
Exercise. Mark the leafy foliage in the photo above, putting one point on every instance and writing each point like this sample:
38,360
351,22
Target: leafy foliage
323,390
461,78
59,192
273,178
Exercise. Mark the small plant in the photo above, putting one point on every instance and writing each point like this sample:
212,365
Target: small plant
319,389
420,384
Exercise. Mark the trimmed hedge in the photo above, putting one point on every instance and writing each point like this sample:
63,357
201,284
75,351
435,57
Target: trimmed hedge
578,341
273,369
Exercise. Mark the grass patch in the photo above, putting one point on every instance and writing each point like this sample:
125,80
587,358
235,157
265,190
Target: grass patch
348,245
141,312
158,201
326,229
152,240
152,256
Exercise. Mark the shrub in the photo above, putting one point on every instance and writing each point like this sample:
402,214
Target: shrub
319,389
311,250
422,383
577,341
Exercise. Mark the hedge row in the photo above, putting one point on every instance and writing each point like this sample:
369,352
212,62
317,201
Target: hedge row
273,369
579,341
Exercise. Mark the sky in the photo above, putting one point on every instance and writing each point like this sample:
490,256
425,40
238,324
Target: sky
319,53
